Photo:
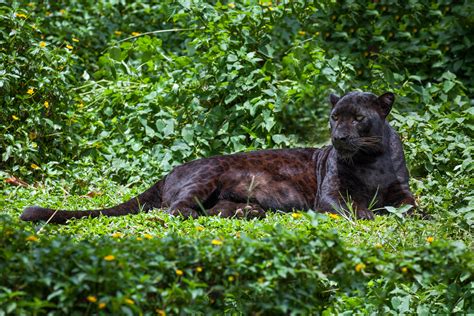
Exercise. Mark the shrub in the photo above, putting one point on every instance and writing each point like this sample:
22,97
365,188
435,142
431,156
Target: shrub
289,271
438,145
39,115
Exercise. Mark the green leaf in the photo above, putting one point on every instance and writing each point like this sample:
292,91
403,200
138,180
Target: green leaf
169,128
115,53
187,133
279,139
447,86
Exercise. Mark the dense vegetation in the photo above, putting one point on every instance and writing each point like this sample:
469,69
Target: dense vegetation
101,98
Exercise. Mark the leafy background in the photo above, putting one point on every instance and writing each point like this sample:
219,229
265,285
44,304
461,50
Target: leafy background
100,97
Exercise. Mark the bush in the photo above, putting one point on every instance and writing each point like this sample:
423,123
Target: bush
37,120
438,145
289,271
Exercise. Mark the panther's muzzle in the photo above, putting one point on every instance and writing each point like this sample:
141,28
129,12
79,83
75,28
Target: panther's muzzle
344,145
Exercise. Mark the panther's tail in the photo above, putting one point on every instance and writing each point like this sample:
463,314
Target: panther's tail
149,199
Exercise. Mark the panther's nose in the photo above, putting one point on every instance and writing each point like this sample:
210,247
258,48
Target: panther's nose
341,139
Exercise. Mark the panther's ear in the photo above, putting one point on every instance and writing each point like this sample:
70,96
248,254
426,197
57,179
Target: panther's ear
333,98
385,103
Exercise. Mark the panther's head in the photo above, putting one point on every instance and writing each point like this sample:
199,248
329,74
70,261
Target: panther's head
357,122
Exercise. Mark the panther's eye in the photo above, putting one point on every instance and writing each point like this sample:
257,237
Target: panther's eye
334,117
359,118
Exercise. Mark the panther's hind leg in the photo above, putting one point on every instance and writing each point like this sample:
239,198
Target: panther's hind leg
225,208
189,200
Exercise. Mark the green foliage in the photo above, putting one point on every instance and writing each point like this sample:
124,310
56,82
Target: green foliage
232,272
438,144
36,108
419,38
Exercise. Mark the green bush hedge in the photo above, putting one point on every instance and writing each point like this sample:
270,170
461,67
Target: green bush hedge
287,272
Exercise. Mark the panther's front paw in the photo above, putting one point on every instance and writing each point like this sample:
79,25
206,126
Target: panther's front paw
184,212
365,214
250,211
254,211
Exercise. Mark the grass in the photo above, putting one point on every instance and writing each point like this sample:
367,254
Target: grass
386,230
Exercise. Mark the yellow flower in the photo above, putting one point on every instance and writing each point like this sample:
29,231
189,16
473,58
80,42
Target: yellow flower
75,39
198,269
237,234
92,299
32,238
139,238
69,46
179,272
231,5
14,117
118,33
46,104
117,235
161,312
21,15
199,228
231,278
30,91
62,11
135,33
148,236
129,301
333,216
101,305
430,239
378,245
296,215
109,258
216,242
34,166
42,44
302,33
404,270
359,267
